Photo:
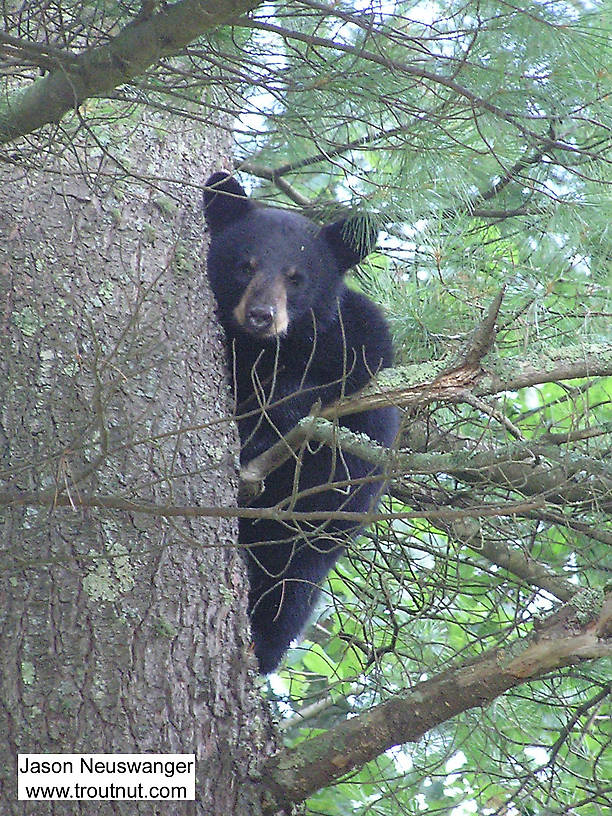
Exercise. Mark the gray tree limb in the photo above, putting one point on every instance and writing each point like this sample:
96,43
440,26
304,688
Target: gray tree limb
413,386
97,71
580,631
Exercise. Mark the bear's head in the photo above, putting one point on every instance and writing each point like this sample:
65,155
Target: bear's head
271,270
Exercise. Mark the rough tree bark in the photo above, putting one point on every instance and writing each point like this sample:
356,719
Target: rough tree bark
120,632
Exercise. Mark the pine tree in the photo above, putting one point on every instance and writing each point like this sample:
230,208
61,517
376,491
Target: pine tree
466,626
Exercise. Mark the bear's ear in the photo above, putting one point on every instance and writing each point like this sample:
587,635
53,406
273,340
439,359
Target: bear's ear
224,201
351,239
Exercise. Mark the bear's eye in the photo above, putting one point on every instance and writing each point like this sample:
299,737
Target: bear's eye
247,268
294,276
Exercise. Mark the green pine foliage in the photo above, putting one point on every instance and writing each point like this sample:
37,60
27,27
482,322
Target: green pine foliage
477,134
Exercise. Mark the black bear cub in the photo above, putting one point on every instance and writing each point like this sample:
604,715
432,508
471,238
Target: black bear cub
296,335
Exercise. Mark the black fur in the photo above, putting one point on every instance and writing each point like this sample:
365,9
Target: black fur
284,274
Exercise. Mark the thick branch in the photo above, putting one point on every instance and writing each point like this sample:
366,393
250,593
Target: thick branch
511,466
413,386
416,385
579,631
97,71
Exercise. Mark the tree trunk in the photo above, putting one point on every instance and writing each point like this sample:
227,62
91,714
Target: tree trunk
120,632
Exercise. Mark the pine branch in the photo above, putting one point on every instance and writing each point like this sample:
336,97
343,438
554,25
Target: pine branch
41,54
61,498
419,384
516,561
425,76
414,386
530,469
97,71
482,338
578,632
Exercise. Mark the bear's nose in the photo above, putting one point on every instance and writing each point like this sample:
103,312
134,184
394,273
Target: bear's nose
260,317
